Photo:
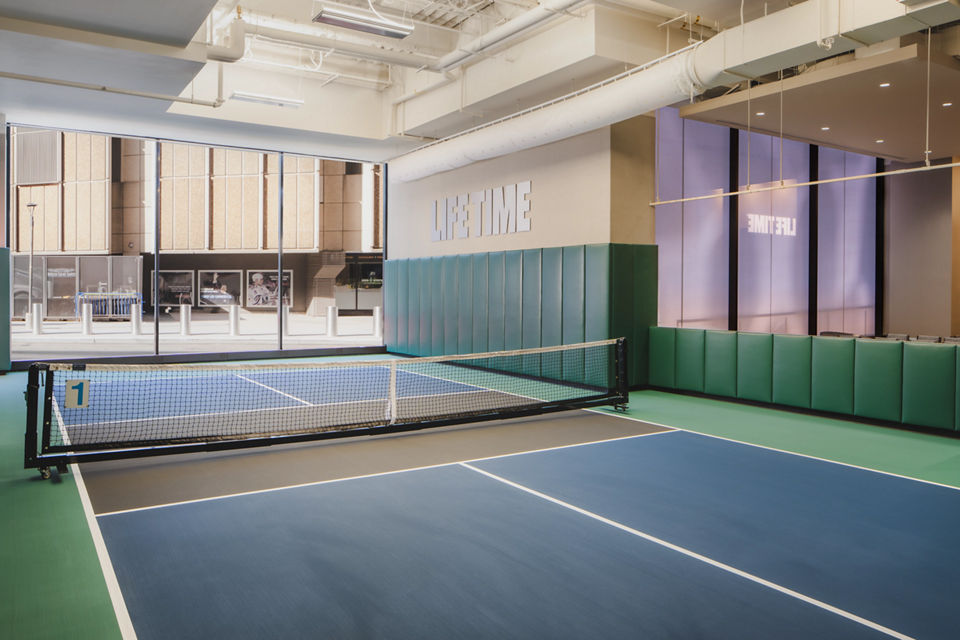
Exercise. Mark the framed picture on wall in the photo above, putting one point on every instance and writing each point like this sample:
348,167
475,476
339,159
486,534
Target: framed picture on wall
220,288
263,289
174,287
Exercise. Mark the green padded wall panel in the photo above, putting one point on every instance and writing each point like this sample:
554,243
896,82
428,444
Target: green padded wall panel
791,370
530,333
662,364
436,306
877,386
480,302
513,300
644,312
573,296
465,304
450,316
755,366
831,374
596,268
690,358
413,307
4,308
551,296
720,363
403,305
495,264
390,304
426,310
929,384
623,293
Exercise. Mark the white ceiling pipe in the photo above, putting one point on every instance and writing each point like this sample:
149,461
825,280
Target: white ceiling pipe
236,47
546,10
777,41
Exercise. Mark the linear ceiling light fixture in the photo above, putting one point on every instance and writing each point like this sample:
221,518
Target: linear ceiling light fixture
359,21
259,98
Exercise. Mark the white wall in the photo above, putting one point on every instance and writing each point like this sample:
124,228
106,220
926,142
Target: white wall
569,201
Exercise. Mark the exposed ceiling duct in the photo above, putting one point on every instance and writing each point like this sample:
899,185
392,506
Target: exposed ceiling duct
800,34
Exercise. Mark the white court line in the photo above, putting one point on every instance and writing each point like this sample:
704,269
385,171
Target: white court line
762,446
696,556
242,377
374,475
106,566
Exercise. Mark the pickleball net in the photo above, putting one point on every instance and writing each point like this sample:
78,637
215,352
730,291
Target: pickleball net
101,411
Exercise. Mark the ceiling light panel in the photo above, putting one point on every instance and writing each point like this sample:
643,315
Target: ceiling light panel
359,21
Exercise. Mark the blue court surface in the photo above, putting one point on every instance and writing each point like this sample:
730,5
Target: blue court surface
667,535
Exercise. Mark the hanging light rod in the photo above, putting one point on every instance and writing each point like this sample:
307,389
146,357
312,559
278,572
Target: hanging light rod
260,98
358,21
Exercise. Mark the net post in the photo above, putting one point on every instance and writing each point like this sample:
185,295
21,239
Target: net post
392,401
623,378
47,411
30,435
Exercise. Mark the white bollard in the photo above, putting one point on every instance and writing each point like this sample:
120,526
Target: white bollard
234,320
86,318
184,319
36,318
285,313
136,316
331,322
377,322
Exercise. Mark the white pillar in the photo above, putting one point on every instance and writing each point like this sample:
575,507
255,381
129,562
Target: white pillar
285,312
331,321
184,319
36,317
136,315
234,320
377,322
86,318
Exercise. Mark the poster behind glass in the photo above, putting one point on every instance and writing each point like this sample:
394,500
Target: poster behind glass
262,288
220,288
174,288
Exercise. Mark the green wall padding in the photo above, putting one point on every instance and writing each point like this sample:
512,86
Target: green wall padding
5,309
690,358
403,305
831,374
551,296
495,264
720,363
513,300
451,318
663,352
573,295
755,366
644,313
390,302
791,370
929,384
530,332
465,304
877,386
596,269
426,309
413,307
436,307
480,328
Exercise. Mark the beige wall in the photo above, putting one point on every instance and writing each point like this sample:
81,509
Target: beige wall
918,253
569,199
632,178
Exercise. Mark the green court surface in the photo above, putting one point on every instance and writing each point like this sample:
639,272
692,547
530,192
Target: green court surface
925,456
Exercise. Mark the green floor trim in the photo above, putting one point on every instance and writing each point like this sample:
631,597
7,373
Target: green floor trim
923,456
51,585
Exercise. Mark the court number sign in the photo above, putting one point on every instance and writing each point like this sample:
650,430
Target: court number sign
78,394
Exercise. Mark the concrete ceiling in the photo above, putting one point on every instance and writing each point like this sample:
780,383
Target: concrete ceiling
166,21
847,98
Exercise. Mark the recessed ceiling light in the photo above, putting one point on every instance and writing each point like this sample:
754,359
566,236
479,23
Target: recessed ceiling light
880,141
763,113
948,104
824,128
884,84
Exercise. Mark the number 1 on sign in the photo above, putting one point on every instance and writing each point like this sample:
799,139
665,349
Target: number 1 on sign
77,395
